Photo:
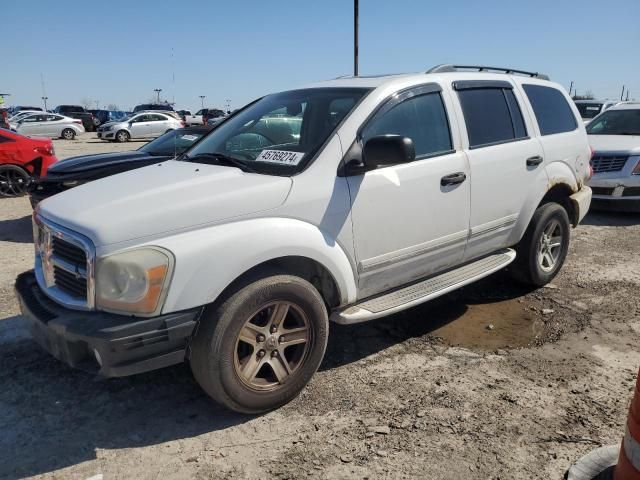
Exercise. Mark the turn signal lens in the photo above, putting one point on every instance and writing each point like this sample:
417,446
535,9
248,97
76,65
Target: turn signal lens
636,170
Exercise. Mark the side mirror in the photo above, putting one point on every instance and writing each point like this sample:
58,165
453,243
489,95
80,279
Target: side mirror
386,150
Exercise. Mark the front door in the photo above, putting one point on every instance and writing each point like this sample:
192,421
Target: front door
505,162
408,222
140,126
158,125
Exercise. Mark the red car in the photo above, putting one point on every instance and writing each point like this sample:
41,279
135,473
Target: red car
22,158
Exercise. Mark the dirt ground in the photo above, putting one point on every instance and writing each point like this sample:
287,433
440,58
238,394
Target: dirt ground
490,382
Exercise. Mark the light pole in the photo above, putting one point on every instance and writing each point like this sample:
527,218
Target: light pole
202,100
355,38
228,102
158,90
45,102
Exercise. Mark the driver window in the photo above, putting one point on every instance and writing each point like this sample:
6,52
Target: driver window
421,118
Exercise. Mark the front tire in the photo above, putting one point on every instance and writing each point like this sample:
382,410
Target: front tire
544,246
68,134
257,348
123,136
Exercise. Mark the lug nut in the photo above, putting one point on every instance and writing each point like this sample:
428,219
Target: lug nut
260,338
274,328
261,353
274,353
281,339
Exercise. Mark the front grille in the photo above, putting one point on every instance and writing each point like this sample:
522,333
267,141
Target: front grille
602,190
64,265
608,163
70,283
69,252
631,192
69,267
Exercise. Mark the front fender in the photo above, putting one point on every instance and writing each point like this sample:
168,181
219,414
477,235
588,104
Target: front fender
208,260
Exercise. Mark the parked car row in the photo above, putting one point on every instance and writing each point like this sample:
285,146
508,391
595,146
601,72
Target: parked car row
47,125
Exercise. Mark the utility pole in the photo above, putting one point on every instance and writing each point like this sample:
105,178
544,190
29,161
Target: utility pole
355,38
570,87
44,99
627,99
158,90
202,97
622,94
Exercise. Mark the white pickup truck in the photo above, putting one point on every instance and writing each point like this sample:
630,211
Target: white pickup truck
190,120
345,200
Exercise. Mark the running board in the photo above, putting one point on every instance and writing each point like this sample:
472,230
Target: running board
423,291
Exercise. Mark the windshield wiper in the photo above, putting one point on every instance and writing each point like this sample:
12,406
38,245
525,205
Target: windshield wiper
222,159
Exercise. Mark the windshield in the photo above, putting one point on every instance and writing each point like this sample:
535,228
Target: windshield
616,122
589,110
173,143
280,133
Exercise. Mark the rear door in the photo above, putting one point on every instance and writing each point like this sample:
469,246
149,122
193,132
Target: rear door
562,138
504,160
158,124
407,221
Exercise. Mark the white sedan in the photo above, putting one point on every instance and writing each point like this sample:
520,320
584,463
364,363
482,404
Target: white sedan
48,125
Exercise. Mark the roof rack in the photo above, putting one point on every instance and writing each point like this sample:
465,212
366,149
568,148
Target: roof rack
447,67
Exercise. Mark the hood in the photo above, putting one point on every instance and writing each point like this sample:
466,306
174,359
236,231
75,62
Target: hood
168,197
93,162
626,144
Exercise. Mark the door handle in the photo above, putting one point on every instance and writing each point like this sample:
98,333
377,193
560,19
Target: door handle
453,179
535,160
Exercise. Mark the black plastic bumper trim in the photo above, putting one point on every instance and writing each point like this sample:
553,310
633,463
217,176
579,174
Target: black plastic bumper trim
125,345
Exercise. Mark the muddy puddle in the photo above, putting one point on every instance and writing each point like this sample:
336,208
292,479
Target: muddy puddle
489,326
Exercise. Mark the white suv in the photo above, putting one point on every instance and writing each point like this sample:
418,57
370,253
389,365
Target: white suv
346,200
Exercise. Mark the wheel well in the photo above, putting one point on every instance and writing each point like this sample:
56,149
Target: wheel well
313,272
560,194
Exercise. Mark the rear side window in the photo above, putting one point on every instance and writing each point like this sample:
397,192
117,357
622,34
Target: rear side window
492,116
552,111
421,118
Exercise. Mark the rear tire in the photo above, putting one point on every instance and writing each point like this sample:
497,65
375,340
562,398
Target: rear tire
544,246
122,136
257,348
14,181
68,134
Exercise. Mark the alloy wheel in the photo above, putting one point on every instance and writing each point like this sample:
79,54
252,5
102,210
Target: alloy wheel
550,246
272,345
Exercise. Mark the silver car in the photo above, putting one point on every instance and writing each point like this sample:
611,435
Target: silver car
139,125
48,125
614,136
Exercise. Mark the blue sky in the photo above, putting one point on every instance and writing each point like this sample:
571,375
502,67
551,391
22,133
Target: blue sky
120,50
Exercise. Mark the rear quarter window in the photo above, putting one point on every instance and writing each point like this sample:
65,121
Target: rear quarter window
553,113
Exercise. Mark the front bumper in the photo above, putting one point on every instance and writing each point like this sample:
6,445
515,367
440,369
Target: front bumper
106,135
620,194
103,343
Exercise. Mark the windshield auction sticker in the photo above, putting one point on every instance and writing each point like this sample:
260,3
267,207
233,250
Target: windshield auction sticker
281,157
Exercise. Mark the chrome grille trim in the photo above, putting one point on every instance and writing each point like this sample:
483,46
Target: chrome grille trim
608,163
46,262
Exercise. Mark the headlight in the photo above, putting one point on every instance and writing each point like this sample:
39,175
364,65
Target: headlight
133,282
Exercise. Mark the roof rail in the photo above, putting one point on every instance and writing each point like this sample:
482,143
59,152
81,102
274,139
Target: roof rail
446,67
